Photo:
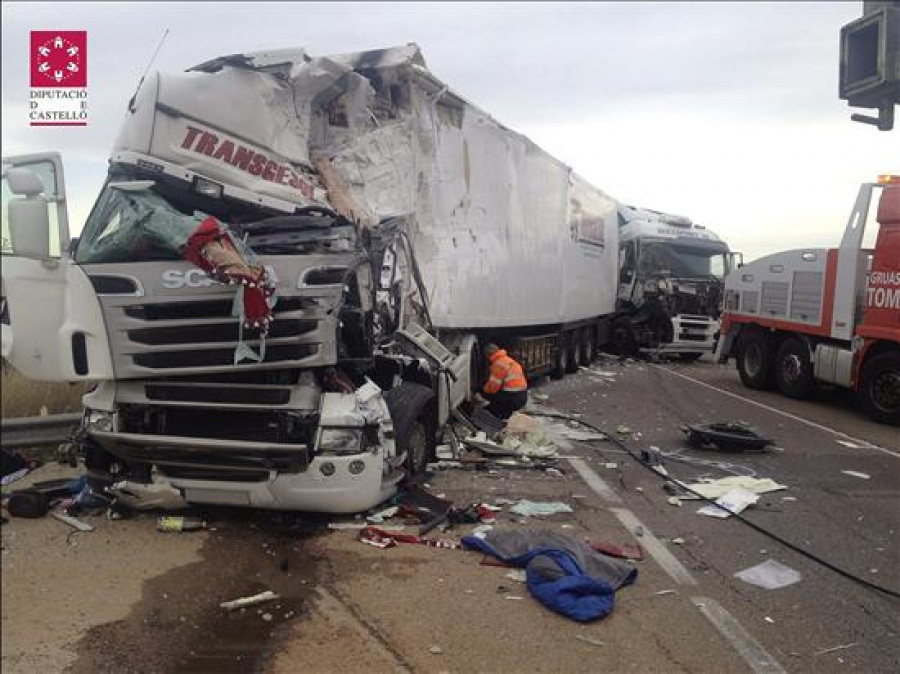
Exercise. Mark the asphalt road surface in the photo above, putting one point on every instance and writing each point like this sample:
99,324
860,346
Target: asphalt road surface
125,598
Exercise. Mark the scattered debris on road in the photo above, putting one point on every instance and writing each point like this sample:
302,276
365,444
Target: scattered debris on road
243,602
589,640
725,437
72,522
769,575
563,573
528,508
856,473
734,501
179,524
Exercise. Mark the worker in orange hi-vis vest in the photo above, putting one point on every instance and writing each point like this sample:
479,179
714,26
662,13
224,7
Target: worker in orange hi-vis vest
506,390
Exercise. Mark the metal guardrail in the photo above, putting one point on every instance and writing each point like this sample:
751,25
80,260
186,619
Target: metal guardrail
47,431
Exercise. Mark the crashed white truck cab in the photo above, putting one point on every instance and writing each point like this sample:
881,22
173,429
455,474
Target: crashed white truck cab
671,276
399,225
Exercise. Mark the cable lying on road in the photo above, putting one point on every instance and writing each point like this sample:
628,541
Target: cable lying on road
775,537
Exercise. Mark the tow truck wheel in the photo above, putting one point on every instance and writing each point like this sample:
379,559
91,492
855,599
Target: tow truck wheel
879,387
415,424
793,369
754,360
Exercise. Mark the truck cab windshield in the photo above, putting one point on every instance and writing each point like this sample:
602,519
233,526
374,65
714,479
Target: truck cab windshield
151,220
681,261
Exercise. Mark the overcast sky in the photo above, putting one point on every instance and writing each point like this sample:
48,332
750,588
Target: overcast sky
725,112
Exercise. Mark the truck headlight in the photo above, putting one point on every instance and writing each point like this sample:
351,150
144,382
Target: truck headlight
98,420
341,441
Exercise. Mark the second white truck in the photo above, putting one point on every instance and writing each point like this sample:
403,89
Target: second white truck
671,273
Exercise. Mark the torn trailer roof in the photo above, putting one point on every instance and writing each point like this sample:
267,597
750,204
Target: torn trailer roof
482,204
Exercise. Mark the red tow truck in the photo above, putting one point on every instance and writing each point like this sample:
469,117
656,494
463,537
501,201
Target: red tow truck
802,318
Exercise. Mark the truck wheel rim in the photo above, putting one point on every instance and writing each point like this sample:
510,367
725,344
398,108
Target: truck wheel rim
753,360
791,368
886,391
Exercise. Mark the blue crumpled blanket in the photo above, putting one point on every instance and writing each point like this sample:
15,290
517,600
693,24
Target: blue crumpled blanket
564,574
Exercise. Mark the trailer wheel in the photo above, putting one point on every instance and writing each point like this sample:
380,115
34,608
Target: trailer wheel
562,359
622,340
573,352
587,346
754,360
879,387
415,424
793,369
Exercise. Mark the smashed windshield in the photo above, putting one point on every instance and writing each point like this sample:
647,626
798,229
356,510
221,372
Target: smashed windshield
681,261
143,221
131,225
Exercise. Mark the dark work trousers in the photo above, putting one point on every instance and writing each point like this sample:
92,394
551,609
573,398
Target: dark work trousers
503,403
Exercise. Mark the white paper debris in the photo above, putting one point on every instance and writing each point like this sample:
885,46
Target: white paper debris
517,575
769,575
734,501
535,508
716,488
856,473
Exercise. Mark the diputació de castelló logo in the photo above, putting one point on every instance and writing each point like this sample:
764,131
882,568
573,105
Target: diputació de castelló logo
59,67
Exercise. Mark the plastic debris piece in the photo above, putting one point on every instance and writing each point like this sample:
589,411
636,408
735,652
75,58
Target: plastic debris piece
856,473
179,524
589,640
528,508
139,496
851,445
663,593
678,541
675,501
623,430
836,648
382,515
725,436
769,620
733,502
243,602
612,465
514,597
72,522
713,489
435,650
518,575
770,575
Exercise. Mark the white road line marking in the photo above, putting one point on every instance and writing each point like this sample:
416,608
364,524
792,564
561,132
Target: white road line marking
743,642
594,481
657,550
847,436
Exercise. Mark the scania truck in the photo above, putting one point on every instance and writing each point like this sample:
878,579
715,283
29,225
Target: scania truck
283,287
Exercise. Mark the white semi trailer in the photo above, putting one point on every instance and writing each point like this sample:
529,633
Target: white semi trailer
399,227
671,284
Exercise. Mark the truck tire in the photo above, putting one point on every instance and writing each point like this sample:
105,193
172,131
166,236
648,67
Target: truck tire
574,353
587,346
415,424
879,387
562,358
755,361
622,340
793,369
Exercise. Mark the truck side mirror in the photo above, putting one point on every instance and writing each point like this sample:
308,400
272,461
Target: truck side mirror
29,215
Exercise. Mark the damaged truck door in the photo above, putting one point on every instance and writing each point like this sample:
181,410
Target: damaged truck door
51,322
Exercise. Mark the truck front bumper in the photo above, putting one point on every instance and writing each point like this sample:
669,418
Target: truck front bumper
692,334
348,483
